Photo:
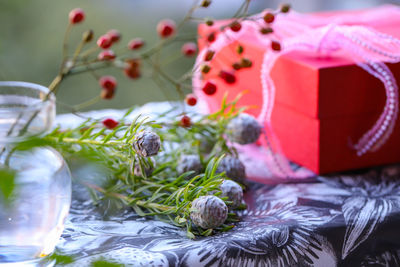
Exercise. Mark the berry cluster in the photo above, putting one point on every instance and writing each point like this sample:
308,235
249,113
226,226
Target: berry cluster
227,74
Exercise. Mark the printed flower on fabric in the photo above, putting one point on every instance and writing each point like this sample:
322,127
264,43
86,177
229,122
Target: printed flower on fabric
279,235
365,201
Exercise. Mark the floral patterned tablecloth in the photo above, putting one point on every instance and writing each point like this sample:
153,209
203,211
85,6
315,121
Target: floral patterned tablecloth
341,220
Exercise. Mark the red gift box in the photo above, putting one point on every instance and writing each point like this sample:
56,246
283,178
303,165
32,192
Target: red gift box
322,104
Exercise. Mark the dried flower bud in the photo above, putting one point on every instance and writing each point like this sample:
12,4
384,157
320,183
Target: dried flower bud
188,163
285,8
239,49
87,36
269,17
233,168
266,30
233,191
209,22
205,3
147,143
205,69
208,212
244,129
246,63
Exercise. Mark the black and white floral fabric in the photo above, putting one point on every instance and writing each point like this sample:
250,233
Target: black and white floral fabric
341,220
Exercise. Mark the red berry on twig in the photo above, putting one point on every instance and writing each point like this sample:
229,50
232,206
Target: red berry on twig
209,55
191,100
135,44
106,55
235,26
276,46
108,82
76,15
166,28
189,49
114,35
211,37
110,123
185,121
227,76
209,88
104,41
132,70
269,17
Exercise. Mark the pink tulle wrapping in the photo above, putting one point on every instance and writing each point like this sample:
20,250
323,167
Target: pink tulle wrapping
326,35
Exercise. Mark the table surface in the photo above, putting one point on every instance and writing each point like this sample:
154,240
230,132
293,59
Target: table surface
346,220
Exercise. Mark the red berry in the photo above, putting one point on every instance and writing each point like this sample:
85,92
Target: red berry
235,26
209,55
191,100
108,82
227,76
110,123
209,88
276,46
166,28
266,30
136,43
106,55
189,49
104,41
132,70
185,121
114,35
269,17
76,15
211,37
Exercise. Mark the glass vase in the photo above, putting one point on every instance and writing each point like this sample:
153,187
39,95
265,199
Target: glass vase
32,218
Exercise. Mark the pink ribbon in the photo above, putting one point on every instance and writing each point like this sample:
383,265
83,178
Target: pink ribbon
346,33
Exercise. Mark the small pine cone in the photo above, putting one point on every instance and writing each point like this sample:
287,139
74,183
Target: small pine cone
233,191
208,212
233,168
189,163
244,129
147,143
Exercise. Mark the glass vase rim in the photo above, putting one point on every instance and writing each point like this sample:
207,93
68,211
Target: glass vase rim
29,85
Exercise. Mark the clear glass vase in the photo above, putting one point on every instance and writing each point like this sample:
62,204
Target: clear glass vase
32,219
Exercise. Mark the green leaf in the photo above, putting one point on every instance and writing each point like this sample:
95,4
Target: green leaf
105,263
61,259
7,183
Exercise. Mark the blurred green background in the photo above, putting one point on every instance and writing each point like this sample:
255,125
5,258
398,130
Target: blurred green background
31,35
